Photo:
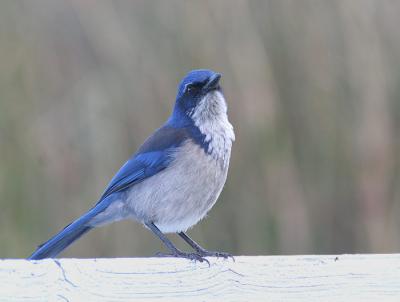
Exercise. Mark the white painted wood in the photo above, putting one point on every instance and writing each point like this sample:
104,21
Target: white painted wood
262,278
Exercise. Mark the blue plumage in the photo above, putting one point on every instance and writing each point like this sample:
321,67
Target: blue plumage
174,178
153,156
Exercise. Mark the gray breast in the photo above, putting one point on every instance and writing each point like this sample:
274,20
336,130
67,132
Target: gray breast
179,196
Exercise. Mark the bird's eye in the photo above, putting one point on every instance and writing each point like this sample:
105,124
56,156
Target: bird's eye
189,88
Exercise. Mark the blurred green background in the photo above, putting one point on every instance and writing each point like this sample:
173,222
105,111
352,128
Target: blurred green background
313,89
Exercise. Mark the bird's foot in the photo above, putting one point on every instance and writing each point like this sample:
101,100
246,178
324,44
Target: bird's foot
205,253
180,254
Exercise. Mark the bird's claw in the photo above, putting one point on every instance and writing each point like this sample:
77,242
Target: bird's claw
191,256
224,255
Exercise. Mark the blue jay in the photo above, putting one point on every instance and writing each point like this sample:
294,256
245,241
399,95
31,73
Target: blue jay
174,178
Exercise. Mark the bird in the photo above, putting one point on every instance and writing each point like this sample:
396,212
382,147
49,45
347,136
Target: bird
173,179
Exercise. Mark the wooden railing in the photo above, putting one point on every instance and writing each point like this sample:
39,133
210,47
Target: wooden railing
258,278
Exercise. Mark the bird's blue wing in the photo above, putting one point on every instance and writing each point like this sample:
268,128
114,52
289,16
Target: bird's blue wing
154,155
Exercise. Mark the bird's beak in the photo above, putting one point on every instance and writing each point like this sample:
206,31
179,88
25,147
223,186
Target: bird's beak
213,82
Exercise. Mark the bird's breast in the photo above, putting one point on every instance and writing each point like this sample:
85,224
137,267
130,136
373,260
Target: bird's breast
180,195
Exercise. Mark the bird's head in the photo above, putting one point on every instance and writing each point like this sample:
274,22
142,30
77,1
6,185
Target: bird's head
199,98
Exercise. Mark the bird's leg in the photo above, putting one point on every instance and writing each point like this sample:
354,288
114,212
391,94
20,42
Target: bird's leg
175,252
203,252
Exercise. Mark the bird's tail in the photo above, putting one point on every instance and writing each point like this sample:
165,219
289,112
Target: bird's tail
68,235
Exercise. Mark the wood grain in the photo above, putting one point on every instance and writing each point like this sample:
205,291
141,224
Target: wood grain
258,278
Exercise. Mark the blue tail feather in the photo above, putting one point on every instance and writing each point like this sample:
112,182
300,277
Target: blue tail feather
69,234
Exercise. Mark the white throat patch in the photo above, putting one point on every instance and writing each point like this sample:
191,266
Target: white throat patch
210,116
